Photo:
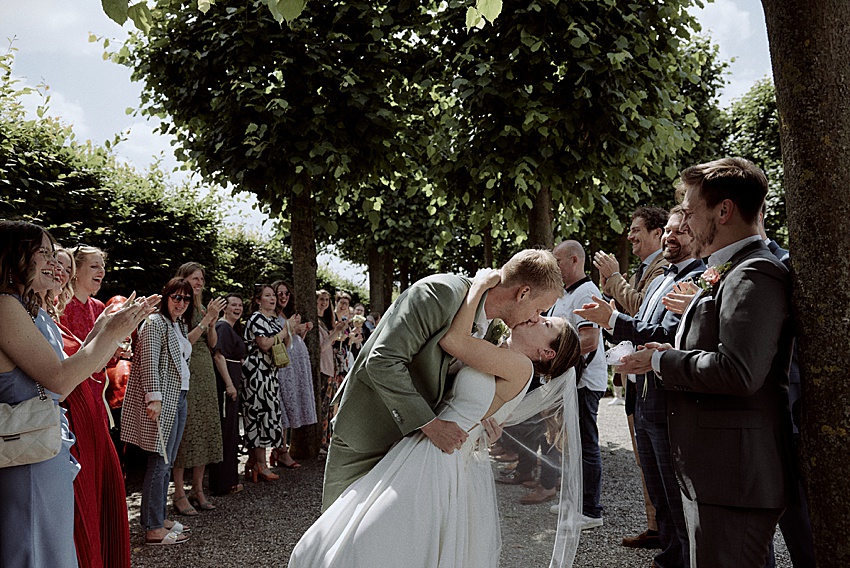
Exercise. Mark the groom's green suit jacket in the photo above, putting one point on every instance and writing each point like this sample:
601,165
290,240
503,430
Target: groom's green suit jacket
400,375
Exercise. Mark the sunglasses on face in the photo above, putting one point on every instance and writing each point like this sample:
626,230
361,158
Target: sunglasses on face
180,298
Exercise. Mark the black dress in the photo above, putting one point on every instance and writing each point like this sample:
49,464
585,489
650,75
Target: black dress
225,474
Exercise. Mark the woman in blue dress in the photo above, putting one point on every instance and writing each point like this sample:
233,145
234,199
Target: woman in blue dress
37,515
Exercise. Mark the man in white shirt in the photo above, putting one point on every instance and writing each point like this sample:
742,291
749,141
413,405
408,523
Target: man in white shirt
578,290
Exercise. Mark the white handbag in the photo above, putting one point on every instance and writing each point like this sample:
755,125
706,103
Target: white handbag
29,431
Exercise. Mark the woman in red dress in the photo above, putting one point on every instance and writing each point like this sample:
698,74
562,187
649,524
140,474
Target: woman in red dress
101,527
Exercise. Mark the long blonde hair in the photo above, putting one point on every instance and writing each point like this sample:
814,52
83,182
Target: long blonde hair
67,291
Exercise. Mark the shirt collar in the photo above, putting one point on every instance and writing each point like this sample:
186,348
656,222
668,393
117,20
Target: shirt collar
572,287
648,260
725,254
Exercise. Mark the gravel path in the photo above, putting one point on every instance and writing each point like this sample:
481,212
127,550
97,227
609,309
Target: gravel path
259,526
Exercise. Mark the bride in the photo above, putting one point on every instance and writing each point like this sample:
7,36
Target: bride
420,507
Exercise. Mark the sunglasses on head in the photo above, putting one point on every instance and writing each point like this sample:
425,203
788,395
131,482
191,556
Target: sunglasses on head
180,298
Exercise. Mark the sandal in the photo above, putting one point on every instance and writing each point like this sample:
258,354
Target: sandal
278,459
176,527
188,511
202,505
170,538
235,489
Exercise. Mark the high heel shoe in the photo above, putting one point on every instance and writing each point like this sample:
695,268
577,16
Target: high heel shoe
278,457
266,475
249,471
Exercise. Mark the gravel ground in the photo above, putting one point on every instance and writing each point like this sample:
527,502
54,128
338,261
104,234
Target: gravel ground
259,526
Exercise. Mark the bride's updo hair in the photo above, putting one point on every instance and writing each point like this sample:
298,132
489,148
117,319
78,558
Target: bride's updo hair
567,353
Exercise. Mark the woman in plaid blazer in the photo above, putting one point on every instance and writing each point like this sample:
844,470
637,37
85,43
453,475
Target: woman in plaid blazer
154,410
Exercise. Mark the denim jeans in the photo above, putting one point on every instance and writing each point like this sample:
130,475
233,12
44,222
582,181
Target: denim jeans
591,457
155,487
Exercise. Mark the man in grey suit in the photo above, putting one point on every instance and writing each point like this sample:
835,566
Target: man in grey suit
654,323
727,377
400,375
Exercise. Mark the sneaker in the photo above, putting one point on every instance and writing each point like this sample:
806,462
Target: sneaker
617,401
590,522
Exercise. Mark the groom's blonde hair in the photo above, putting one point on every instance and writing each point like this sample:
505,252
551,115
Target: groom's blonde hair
536,268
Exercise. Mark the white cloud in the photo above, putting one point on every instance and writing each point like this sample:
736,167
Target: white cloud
58,106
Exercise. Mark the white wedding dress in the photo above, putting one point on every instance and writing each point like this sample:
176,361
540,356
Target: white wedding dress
419,507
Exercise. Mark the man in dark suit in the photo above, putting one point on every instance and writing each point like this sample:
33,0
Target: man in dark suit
645,234
727,377
655,323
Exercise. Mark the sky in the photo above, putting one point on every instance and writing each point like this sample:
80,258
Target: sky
52,42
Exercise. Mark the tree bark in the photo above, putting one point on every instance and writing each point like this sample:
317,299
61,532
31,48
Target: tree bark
624,252
387,283
488,245
809,43
307,439
540,220
377,302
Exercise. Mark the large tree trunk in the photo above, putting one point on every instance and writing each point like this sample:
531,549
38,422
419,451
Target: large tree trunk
540,220
624,252
377,300
809,43
387,283
488,246
307,439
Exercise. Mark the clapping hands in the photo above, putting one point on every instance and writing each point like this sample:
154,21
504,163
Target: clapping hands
599,312
683,293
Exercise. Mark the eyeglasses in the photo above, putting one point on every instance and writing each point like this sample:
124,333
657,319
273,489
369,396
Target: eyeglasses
180,298
47,253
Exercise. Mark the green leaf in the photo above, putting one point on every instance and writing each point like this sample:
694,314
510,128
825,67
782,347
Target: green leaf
141,16
116,10
490,9
473,17
287,10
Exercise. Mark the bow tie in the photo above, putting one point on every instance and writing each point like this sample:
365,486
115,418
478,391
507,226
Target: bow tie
672,269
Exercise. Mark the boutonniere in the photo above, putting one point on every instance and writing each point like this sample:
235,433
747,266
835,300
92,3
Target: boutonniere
497,332
712,276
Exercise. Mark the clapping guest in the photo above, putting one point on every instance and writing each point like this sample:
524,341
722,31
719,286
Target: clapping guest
82,311
101,528
154,412
297,400
229,354
201,442
328,331
37,515
260,389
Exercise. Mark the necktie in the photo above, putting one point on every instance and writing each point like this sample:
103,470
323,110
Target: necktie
639,273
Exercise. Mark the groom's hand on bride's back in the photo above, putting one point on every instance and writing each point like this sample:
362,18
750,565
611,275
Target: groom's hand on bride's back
447,436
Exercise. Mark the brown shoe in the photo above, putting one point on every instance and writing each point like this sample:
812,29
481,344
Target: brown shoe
539,495
515,478
646,539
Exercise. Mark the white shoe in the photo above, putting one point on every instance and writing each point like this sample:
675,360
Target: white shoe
555,509
590,522
617,401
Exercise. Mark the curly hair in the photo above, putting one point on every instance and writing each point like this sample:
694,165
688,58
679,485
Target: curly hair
19,243
653,217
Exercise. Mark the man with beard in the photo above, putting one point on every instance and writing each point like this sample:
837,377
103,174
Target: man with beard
645,234
655,323
727,377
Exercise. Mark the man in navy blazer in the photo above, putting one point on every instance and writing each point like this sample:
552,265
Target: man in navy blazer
653,322
727,377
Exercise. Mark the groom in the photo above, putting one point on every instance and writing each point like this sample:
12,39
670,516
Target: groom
399,377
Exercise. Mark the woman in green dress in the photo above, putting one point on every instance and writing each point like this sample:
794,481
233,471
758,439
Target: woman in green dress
201,443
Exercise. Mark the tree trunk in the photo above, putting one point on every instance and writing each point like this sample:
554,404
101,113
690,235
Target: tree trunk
404,275
540,220
809,43
307,439
377,302
624,253
387,283
488,245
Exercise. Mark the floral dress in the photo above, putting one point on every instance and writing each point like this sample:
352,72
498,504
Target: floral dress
201,442
260,392
340,352
297,402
